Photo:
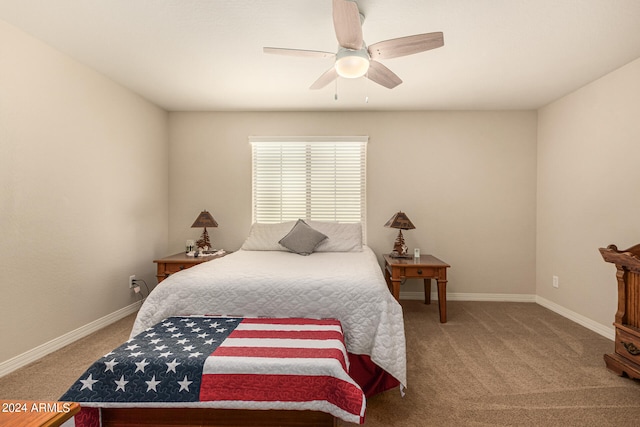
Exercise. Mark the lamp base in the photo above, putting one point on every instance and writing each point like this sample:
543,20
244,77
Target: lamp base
399,248
204,242
394,254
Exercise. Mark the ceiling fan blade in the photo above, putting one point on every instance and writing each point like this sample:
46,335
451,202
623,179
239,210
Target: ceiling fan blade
382,75
347,24
326,78
298,52
404,46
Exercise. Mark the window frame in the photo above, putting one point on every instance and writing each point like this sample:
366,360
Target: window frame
308,143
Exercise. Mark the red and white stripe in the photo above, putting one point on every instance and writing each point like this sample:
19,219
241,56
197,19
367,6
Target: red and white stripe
285,364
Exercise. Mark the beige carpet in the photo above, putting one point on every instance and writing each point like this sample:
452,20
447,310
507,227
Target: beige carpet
515,364
505,364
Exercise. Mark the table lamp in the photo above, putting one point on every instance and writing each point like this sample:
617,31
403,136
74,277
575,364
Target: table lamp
204,220
401,222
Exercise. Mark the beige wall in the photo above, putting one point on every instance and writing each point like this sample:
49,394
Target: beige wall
465,179
588,191
83,193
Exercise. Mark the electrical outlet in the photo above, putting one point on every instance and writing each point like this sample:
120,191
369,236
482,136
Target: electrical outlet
131,279
556,282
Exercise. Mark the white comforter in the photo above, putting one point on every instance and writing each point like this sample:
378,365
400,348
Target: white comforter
347,286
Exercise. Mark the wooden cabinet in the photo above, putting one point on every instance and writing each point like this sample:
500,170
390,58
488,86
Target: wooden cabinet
626,358
178,262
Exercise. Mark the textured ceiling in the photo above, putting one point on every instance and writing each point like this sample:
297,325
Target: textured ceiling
207,55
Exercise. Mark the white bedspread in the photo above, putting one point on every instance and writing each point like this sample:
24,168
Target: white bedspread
347,286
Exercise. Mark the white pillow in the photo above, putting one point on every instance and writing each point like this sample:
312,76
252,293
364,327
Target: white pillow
265,237
342,237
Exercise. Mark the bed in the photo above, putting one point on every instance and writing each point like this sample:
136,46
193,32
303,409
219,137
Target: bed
340,279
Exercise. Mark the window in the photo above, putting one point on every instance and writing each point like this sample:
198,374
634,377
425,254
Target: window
320,179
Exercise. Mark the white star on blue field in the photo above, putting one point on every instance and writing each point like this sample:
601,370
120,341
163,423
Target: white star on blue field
162,364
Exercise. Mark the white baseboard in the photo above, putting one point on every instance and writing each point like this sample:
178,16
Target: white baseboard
453,296
57,343
596,327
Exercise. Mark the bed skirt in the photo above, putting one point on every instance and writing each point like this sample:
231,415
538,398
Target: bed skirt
371,378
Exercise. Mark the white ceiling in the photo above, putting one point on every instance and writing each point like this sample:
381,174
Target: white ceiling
207,54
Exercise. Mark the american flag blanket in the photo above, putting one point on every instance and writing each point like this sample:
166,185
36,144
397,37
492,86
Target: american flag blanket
227,362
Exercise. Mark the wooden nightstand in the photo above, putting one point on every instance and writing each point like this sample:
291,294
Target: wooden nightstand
178,262
426,267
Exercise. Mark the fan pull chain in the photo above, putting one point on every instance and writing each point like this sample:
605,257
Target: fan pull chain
335,97
366,88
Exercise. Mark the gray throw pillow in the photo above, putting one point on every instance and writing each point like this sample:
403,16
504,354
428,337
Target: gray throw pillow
302,239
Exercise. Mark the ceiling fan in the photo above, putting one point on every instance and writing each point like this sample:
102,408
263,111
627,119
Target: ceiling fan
354,59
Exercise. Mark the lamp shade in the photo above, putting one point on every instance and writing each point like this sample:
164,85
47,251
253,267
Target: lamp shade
205,219
400,220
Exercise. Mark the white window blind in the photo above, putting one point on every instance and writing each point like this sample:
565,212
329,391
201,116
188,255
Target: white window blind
321,179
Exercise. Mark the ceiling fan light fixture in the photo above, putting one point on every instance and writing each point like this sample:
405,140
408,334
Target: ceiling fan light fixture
352,63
